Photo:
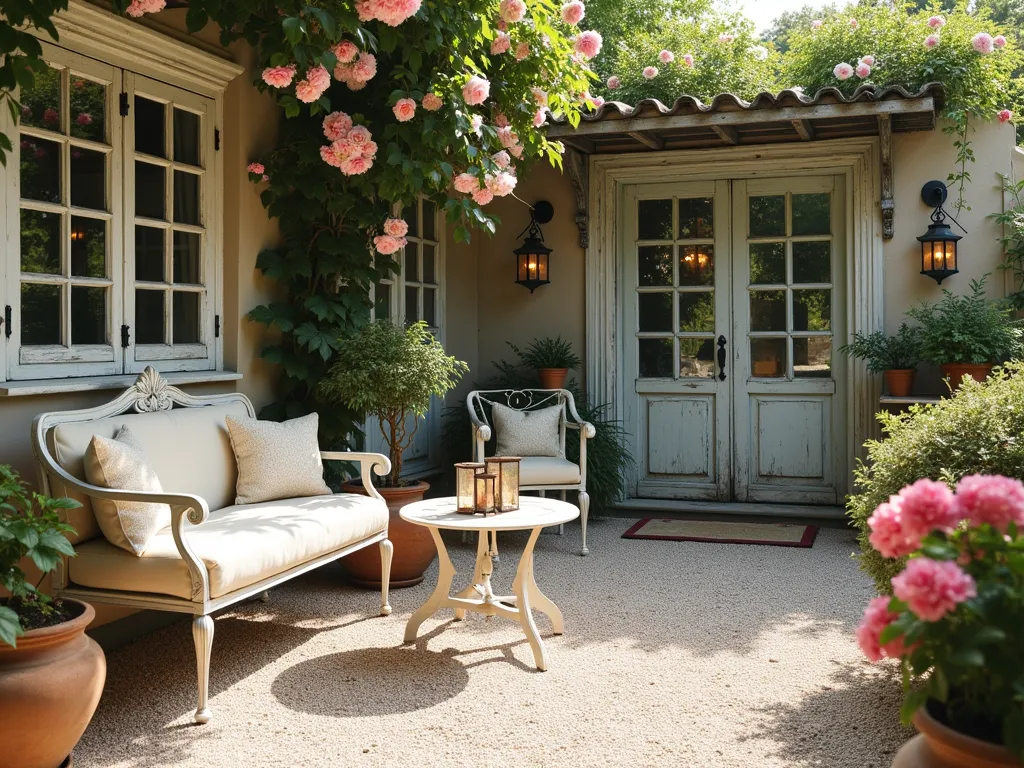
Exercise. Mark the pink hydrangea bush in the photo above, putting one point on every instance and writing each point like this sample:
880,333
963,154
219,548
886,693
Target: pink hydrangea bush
955,621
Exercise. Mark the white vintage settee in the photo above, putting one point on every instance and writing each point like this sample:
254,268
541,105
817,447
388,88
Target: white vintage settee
214,553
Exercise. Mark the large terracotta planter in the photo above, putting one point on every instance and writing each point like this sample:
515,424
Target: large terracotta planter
937,746
899,381
956,371
49,688
552,378
414,547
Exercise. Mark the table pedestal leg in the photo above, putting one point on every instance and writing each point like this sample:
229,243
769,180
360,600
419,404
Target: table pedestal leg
542,602
482,554
445,574
521,586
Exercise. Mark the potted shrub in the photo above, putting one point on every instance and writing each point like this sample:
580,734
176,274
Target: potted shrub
956,618
966,335
390,373
51,672
551,358
895,356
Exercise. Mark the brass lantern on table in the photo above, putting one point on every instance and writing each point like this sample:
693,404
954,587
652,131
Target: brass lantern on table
483,483
465,486
506,483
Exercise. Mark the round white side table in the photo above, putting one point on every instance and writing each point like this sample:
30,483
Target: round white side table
534,514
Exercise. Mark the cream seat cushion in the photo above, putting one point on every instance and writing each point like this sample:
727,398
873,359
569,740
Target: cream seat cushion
527,433
547,470
240,545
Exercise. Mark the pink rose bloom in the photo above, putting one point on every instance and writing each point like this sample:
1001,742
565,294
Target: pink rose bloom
816,24
279,77
613,83
522,51
365,67
540,96
387,244
937,22
688,59
501,120
316,82
501,159
501,44
404,110
356,165
572,12
475,123
869,60
926,506
346,51
369,149
84,118
538,118
597,101
359,134
983,42
933,588
337,125
500,184
991,499
843,71
140,7
432,102
1004,115
863,70
26,111
931,41
396,227
650,72
391,12
507,136
888,534
999,41
725,38
256,168
854,24
482,196
466,183
588,44
476,90
333,154
51,115
512,10
666,57
877,617
516,150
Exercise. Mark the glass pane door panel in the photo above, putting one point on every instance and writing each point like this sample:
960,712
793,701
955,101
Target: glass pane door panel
187,257
185,311
88,179
186,137
150,127
811,214
88,247
655,311
150,190
697,358
767,263
186,198
655,358
696,265
768,311
768,358
654,265
812,262
40,169
697,311
812,357
88,109
696,217
654,220
40,314
41,104
149,317
768,216
812,310
88,315
40,242
149,254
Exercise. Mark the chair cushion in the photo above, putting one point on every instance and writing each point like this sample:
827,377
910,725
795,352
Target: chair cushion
122,464
527,433
277,460
547,470
240,545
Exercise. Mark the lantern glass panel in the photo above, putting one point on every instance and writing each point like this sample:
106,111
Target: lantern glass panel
542,267
926,256
464,485
506,484
951,254
484,492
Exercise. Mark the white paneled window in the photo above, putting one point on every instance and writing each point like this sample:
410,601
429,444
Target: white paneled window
110,258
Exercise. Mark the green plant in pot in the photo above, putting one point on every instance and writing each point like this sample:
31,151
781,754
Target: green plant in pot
390,373
552,358
966,335
894,356
51,672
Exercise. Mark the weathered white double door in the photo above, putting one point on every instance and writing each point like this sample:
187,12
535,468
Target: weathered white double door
733,309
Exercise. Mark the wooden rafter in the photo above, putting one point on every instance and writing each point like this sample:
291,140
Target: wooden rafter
648,140
727,134
804,128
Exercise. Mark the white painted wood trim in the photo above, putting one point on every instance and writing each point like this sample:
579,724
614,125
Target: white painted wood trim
100,383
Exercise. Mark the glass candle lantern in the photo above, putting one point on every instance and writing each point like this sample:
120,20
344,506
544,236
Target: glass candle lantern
465,486
506,483
484,495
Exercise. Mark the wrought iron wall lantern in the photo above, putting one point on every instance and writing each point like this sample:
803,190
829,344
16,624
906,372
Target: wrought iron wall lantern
532,268
939,258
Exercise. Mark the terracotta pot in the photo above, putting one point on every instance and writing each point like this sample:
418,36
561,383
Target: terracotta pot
899,381
414,547
938,746
552,378
49,688
956,371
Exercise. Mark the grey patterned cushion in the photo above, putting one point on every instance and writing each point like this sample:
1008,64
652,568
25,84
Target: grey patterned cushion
277,460
122,463
527,433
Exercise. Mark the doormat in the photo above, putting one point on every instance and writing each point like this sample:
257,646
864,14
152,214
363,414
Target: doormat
770,534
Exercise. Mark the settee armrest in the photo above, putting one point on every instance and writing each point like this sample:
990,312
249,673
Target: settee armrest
380,464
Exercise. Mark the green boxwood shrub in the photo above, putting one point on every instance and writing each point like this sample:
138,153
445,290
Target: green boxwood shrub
977,430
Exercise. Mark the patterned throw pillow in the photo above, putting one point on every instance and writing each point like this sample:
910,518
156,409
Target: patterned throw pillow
527,433
277,460
122,463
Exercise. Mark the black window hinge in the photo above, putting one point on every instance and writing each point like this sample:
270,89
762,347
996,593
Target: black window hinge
126,337
7,321
216,139
216,326
124,104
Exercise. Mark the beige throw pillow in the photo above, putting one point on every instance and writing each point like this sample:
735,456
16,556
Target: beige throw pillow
527,433
123,464
277,460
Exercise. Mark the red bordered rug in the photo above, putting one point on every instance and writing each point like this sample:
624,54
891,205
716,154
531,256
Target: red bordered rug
723,532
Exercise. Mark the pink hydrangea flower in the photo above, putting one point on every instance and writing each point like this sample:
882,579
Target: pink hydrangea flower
877,617
337,125
843,71
256,168
500,184
854,24
588,44
432,102
388,244
991,499
313,86
1004,115
466,183
540,96
572,12
933,588
869,60
539,117
999,41
613,83
405,110
688,60
666,57
500,44
279,77
725,38
512,10
816,24
391,12
396,227
482,196
84,118
501,159
476,90
888,534
863,70
522,51
140,7
931,41
983,42
937,22
345,51
650,72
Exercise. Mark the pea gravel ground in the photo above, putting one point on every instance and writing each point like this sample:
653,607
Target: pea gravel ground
675,654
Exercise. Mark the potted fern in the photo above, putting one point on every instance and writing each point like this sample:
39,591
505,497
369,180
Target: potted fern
390,373
552,358
894,356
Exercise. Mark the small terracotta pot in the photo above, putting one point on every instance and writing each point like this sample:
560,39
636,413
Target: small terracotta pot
899,381
414,546
956,371
49,688
938,746
552,378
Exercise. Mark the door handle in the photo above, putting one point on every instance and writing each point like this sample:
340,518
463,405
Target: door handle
721,358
